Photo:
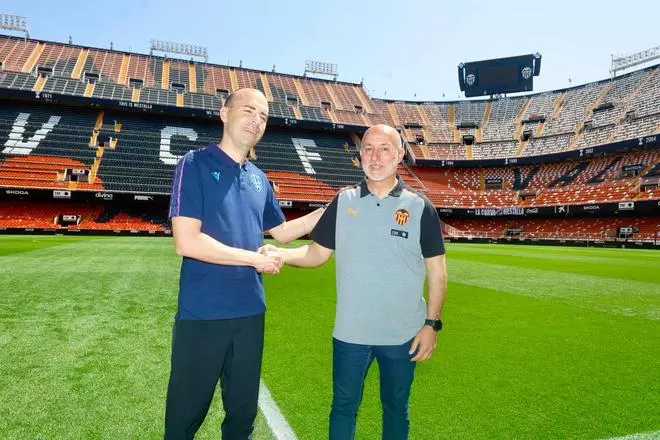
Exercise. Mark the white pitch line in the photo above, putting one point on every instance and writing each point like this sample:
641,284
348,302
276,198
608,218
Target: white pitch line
639,436
274,417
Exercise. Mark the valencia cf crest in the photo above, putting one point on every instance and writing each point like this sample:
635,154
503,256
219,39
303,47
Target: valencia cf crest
401,216
256,182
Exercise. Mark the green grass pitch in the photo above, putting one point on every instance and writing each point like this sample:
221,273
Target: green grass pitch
540,342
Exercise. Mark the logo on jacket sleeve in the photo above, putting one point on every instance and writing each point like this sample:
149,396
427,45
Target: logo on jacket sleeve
401,216
216,175
256,182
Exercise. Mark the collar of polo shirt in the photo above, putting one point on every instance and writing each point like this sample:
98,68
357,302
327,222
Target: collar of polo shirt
224,158
396,191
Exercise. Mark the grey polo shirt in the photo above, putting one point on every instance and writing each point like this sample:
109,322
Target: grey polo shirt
380,246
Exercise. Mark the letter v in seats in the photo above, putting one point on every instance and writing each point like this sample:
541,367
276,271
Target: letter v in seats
16,143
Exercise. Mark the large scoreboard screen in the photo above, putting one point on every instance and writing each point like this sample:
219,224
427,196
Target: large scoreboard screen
498,76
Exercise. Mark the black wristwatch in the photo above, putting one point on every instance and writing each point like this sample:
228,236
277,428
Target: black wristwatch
435,324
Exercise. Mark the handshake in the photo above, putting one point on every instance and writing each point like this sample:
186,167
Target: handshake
269,260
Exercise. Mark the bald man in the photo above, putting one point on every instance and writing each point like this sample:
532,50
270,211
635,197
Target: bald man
221,204
387,239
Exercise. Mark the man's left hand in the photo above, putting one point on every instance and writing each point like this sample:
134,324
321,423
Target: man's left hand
424,344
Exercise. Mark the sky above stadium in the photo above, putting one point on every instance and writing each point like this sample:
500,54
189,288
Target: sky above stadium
401,50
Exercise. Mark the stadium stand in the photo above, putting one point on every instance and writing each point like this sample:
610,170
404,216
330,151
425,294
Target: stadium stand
553,229
97,217
147,147
579,117
116,150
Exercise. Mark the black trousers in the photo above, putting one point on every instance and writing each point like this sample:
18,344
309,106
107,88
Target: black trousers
202,353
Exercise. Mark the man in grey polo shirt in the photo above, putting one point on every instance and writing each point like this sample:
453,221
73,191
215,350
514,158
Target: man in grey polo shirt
387,238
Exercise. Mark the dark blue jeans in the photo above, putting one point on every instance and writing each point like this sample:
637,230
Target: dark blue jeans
350,363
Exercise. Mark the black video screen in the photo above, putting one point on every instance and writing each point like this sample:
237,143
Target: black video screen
493,76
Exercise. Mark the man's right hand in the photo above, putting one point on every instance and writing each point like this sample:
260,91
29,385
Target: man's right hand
268,262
